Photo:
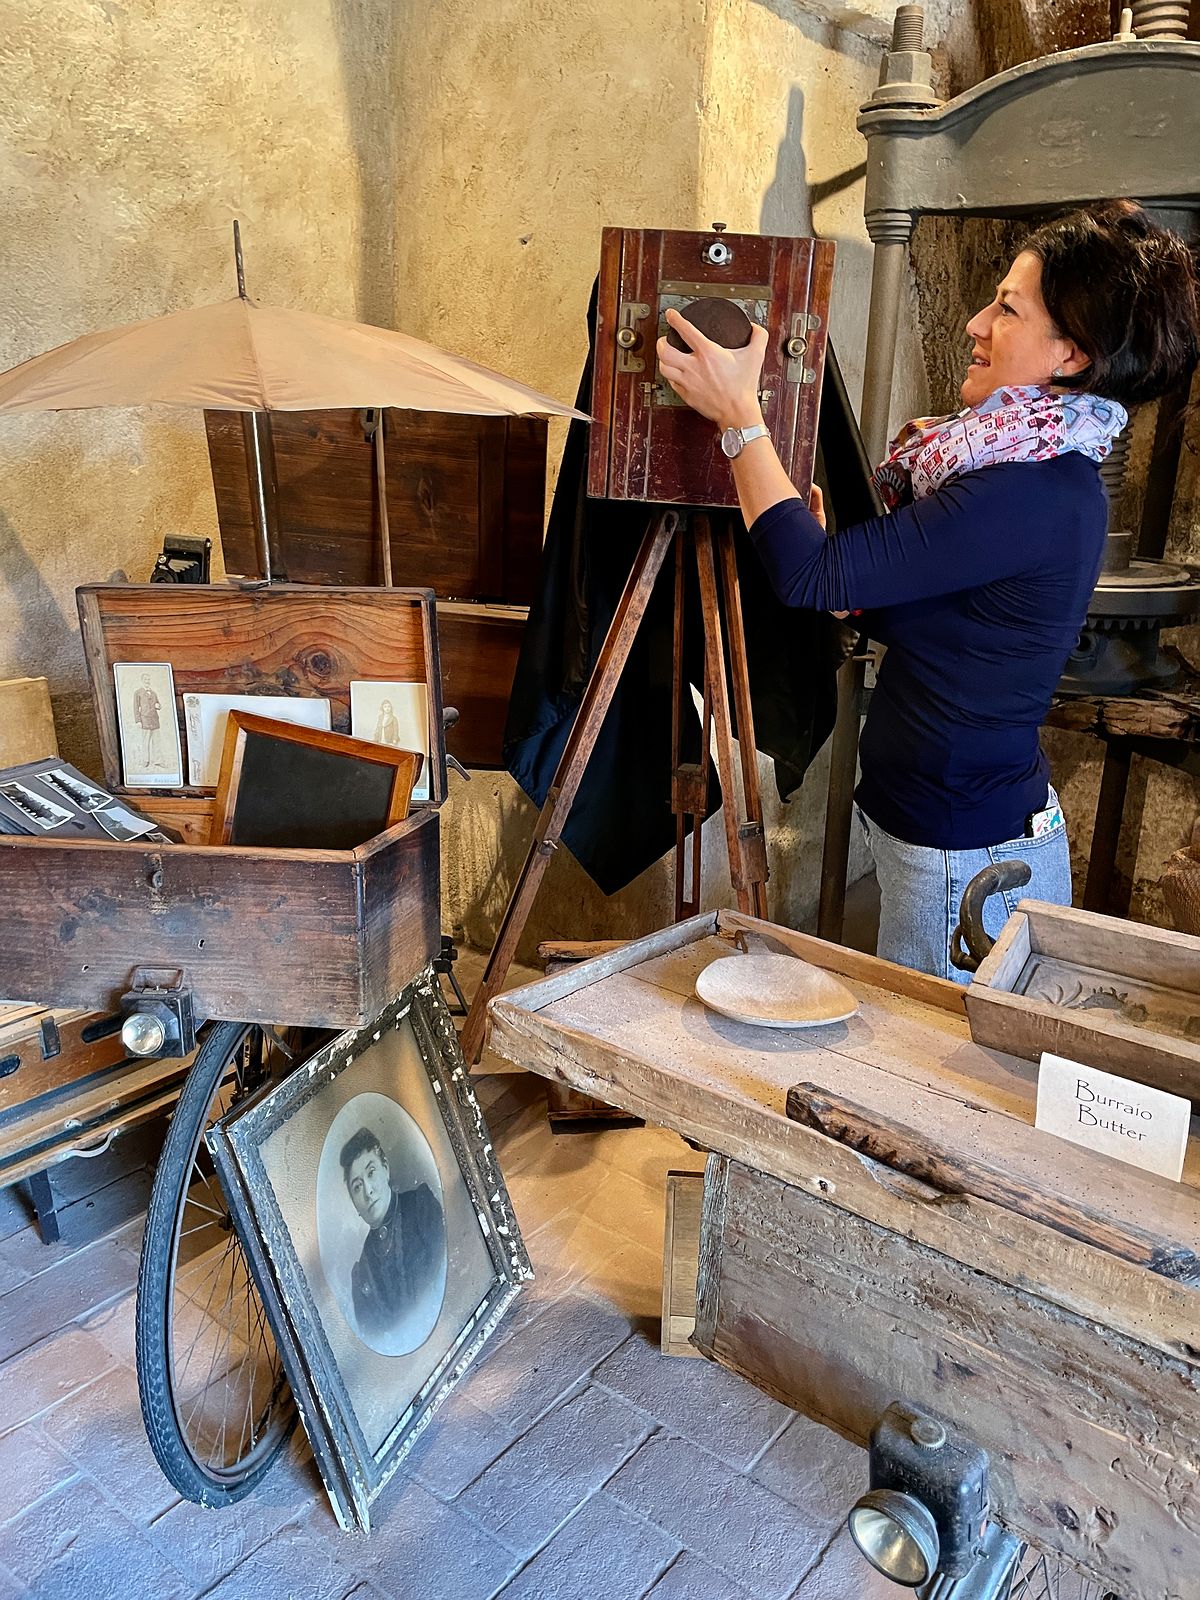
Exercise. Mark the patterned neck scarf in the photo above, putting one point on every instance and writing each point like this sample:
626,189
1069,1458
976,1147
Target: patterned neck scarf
1016,424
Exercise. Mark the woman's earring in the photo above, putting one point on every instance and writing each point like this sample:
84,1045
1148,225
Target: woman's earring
1057,373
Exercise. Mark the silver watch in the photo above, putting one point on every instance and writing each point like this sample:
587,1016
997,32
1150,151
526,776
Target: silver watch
735,440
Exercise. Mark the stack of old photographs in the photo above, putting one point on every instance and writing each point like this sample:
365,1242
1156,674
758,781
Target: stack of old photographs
50,799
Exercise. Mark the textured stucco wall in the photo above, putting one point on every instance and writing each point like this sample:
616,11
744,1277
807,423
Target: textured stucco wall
542,125
131,134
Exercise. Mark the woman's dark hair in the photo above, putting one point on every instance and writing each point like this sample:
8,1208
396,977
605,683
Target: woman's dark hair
1125,290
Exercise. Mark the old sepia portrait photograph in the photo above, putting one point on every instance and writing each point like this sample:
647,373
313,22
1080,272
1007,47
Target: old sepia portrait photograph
395,714
151,757
365,1189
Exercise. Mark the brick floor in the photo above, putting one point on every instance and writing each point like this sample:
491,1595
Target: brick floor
574,1460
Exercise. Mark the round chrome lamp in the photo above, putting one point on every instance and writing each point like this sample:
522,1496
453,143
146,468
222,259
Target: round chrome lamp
143,1034
897,1535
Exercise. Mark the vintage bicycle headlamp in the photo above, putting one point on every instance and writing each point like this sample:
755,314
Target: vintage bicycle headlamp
897,1535
926,1513
158,1015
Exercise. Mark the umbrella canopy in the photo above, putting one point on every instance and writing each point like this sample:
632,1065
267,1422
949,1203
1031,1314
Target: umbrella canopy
242,356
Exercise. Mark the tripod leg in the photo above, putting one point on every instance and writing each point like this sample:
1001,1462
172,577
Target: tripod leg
689,779
747,851
754,843
597,697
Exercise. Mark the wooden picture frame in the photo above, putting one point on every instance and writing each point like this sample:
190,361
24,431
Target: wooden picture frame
316,757
369,1367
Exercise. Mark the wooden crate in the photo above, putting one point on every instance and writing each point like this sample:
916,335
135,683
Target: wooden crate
1044,1298
321,938
466,498
1111,994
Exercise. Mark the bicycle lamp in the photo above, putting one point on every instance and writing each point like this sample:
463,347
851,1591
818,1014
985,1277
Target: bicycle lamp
158,1019
924,1520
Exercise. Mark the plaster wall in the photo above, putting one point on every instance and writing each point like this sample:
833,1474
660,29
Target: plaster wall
131,135
542,125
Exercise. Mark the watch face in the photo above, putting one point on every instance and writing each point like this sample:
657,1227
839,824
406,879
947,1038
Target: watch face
731,442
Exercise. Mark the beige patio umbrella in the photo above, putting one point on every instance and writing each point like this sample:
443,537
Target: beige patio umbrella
242,356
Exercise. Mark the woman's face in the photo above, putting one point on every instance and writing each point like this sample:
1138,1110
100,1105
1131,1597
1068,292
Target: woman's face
1013,340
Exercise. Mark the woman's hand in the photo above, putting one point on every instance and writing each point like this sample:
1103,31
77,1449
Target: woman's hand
720,384
816,504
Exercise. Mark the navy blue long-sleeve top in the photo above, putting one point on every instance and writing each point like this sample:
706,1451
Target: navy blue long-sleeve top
979,592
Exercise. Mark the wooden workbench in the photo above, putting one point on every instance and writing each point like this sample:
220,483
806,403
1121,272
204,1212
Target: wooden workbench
1057,1322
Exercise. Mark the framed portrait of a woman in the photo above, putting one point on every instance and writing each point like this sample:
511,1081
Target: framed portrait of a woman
365,1192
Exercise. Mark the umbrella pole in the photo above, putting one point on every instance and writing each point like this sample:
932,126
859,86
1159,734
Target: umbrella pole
385,536
264,492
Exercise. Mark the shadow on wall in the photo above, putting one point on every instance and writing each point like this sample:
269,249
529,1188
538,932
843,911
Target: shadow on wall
791,205
368,41
39,619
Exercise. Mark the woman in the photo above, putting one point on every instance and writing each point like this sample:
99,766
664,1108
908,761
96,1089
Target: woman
387,726
978,580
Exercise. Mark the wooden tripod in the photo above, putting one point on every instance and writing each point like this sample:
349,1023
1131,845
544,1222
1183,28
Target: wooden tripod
716,566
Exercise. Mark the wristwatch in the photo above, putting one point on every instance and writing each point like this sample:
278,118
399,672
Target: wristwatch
735,440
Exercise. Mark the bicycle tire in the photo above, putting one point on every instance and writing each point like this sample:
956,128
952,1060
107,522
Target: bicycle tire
197,1479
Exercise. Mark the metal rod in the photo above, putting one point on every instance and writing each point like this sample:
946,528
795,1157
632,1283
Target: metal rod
238,262
385,537
883,321
839,805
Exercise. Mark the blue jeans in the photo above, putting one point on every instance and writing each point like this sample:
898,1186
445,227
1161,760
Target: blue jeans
920,891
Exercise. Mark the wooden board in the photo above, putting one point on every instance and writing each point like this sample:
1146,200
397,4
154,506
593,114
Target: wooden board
26,721
479,647
681,1262
627,1028
318,938
286,639
466,500
43,1052
645,444
1108,993
1094,1438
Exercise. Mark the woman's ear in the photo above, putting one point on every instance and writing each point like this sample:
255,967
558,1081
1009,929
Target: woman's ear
1071,359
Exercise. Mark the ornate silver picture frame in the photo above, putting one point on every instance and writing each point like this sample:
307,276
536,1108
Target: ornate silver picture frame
377,1224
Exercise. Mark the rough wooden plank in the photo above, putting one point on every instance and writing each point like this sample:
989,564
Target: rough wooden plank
898,1147
87,1044
264,936
726,1117
930,991
583,975
400,909
1093,1437
910,1062
681,1260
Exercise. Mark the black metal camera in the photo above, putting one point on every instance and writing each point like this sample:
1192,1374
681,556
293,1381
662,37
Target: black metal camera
183,560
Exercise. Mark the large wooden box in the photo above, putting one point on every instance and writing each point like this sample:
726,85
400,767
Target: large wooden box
465,499
321,938
1111,994
646,444
1043,1298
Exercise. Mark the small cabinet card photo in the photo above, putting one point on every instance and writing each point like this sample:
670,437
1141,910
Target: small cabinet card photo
1115,1116
151,757
395,714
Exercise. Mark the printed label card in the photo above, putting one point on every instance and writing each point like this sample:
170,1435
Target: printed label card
1146,1127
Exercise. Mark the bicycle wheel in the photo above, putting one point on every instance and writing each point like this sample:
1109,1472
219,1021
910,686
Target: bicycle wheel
1042,1577
215,1400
